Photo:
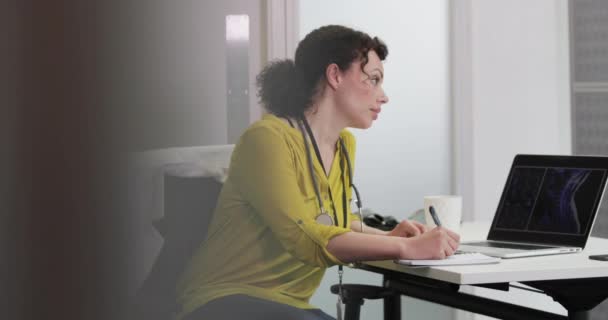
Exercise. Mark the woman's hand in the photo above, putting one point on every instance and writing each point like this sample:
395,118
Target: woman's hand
437,243
408,229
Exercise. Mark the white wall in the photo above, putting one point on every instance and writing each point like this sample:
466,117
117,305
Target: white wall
517,87
406,154
510,76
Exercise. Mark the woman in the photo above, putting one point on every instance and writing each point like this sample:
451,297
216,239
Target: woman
283,215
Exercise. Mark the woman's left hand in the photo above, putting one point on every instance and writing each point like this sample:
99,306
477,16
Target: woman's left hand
408,229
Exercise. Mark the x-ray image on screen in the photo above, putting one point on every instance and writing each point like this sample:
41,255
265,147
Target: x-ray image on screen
557,200
564,204
520,198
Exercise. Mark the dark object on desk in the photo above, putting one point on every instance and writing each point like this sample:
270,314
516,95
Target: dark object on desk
600,257
378,221
189,205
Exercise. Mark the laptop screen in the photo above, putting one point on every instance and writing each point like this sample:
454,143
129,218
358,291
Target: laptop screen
550,199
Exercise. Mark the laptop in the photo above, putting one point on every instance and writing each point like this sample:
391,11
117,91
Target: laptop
548,206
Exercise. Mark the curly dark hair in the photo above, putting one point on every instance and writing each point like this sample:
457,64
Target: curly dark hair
286,88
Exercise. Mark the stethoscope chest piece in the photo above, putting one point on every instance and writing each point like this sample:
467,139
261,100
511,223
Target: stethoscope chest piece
325,219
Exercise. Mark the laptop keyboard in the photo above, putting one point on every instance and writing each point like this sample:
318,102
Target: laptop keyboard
507,245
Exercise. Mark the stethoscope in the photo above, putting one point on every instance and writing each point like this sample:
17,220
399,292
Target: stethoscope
324,217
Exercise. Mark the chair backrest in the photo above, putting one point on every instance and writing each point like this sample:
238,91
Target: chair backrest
189,205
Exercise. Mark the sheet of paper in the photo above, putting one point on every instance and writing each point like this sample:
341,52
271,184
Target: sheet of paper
456,259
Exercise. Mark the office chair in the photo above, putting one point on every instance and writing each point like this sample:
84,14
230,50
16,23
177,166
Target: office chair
355,294
189,204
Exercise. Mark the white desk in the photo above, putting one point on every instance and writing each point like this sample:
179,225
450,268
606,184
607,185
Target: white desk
554,267
561,276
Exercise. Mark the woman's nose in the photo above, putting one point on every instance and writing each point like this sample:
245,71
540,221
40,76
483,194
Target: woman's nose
383,97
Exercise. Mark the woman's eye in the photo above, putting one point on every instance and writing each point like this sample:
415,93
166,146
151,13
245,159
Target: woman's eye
374,81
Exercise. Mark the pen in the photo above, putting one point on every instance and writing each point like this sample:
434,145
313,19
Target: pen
434,216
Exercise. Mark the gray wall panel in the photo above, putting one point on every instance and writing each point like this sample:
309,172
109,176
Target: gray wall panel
589,34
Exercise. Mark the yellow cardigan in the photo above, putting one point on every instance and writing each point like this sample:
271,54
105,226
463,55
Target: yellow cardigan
263,239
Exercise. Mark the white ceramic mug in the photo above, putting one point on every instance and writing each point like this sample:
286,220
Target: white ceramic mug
448,209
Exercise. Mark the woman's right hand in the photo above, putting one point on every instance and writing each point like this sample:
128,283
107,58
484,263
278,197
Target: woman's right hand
437,243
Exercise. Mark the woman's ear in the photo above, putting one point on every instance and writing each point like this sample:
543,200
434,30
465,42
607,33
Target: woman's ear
333,76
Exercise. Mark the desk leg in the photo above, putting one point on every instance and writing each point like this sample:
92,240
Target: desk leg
579,315
392,306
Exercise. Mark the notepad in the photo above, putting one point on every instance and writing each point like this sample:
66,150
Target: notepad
453,260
